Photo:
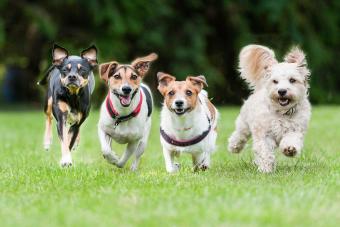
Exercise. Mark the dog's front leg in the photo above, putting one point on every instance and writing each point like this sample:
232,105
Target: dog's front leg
130,149
201,161
291,144
264,153
66,158
105,142
170,166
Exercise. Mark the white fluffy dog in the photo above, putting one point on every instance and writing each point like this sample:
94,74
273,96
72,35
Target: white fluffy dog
278,111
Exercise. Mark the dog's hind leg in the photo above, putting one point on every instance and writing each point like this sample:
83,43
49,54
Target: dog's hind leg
130,149
239,137
48,124
105,142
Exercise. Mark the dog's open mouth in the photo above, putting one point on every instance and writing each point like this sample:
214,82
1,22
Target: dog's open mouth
180,111
124,100
284,101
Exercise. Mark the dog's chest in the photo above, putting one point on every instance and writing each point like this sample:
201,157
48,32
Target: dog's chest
125,131
281,126
73,118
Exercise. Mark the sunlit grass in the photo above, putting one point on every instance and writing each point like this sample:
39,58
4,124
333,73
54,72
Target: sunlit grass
35,191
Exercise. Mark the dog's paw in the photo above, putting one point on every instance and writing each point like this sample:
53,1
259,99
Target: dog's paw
111,158
290,151
47,146
234,148
174,169
66,161
265,167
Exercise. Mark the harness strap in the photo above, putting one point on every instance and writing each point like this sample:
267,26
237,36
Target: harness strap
185,143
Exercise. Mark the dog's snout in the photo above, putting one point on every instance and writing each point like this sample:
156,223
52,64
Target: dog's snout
72,77
179,103
126,90
282,92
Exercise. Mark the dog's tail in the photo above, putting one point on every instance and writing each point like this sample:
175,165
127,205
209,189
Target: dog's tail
44,80
255,61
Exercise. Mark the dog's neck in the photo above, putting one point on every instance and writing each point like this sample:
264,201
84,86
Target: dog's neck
187,126
123,111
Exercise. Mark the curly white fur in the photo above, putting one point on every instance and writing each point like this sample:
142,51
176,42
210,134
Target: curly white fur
272,119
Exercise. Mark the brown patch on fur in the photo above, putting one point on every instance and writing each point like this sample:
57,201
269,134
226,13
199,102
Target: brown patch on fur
180,89
125,75
142,64
107,69
83,81
63,106
211,109
255,61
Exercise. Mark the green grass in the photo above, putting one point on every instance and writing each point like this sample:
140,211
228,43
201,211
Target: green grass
35,191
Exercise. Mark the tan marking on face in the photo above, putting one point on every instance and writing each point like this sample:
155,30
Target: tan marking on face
180,89
63,106
68,66
83,81
79,66
63,80
126,75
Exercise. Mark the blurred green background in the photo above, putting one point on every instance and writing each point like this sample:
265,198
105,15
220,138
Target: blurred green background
191,37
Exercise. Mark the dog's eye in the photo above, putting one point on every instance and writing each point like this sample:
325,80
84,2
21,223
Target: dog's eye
188,93
117,76
134,77
292,80
171,93
275,81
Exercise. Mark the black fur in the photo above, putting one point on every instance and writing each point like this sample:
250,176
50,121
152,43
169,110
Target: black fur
77,102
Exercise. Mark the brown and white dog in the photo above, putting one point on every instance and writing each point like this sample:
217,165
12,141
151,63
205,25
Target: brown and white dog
188,121
125,115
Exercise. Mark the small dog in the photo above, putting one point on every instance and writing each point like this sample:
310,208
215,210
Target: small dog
188,121
125,115
70,85
278,111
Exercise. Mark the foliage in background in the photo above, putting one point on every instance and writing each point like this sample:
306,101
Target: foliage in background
191,37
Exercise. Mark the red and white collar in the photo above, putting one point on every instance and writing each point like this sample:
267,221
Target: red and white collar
114,113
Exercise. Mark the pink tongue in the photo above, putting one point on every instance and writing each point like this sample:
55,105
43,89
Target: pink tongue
125,100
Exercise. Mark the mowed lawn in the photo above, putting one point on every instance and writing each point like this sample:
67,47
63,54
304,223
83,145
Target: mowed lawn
35,191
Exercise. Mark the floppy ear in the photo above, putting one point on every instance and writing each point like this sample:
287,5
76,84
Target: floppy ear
255,64
107,69
90,54
58,54
163,81
297,56
142,64
198,81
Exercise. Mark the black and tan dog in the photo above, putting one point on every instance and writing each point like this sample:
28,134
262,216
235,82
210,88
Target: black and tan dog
70,85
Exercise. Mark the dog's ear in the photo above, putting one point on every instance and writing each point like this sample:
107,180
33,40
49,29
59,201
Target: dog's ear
142,64
198,81
164,80
58,54
107,69
255,64
90,54
297,56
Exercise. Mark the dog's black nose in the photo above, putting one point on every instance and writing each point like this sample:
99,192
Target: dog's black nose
126,90
72,77
179,103
282,92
